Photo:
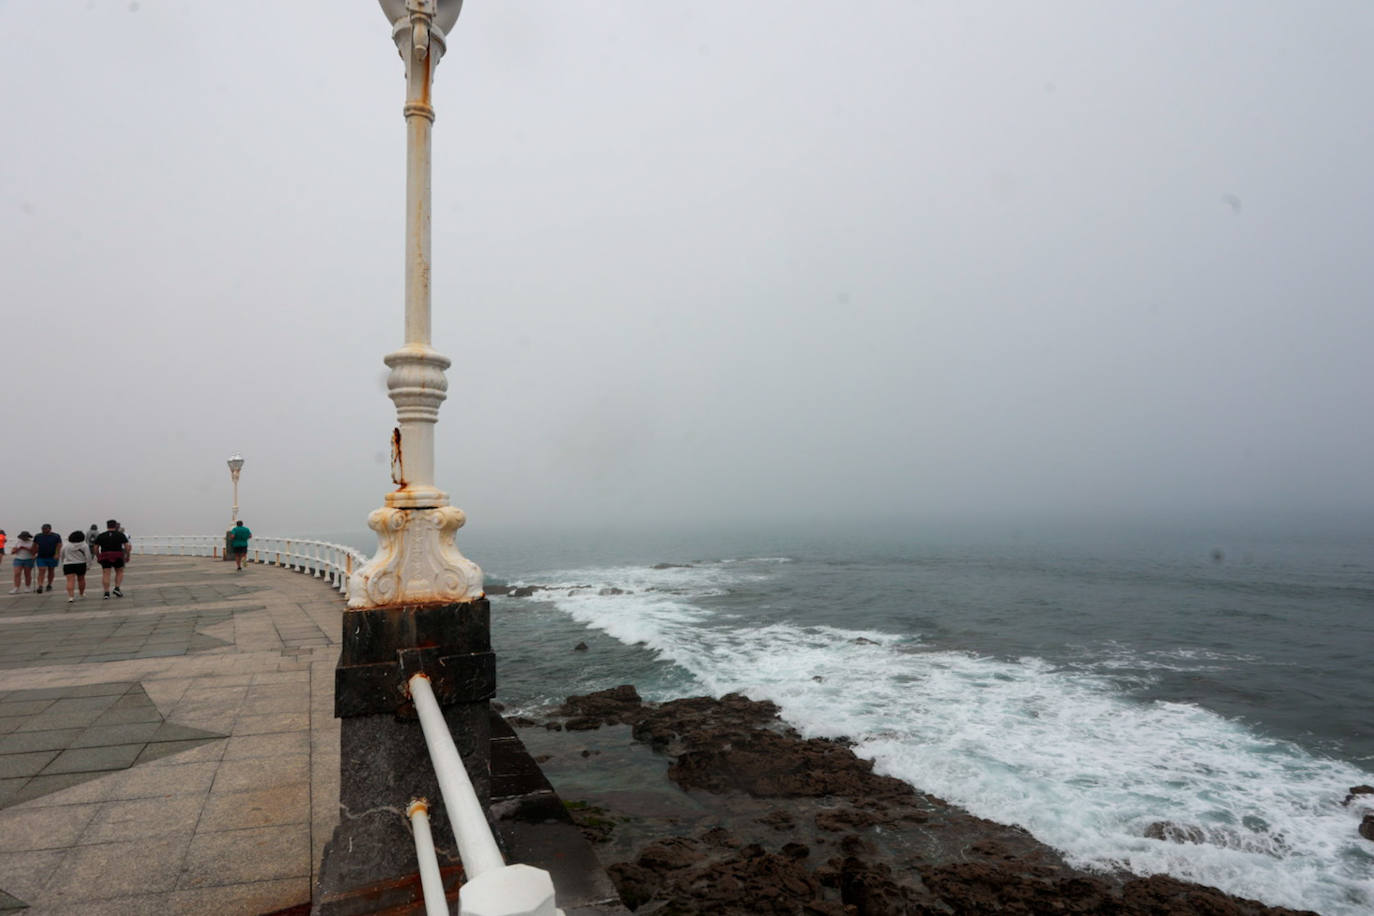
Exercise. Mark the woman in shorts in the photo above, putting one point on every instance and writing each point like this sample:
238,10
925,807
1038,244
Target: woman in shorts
23,552
76,557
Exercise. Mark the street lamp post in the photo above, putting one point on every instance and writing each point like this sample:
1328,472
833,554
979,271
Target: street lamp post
417,560
235,465
417,606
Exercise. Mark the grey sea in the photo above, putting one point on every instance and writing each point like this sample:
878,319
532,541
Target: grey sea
1091,684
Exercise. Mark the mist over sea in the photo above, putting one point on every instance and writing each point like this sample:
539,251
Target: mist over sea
1090,684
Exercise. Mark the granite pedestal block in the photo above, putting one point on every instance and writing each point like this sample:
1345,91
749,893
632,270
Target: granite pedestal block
369,864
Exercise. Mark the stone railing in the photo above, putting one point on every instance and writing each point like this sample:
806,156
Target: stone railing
321,559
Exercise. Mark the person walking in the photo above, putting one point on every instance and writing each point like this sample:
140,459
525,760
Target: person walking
49,546
91,534
112,551
2,542
238,542
23,553
76,558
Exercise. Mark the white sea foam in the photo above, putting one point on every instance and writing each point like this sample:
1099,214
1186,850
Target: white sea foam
1062,753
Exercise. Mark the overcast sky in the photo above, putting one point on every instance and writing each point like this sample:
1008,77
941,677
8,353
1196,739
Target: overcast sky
692,261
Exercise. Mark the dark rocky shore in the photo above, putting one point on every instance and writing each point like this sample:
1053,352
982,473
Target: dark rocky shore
754,819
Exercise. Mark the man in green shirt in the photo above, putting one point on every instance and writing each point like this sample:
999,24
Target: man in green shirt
238,541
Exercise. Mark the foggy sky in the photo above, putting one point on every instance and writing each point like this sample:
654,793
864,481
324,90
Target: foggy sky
716,260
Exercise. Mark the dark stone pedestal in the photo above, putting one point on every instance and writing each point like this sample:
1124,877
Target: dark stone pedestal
369,864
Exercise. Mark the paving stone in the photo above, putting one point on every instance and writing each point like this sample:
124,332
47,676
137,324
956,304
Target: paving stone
109,735
118,715
289,804
237,856
185,751
242,747
23,829
93,759
38,741
117,869
261,772
23,874
133,819
31,764
65,789
145,782
46,722
275,722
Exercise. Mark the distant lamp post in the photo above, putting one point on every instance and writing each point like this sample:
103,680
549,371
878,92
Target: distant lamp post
417,561
235,465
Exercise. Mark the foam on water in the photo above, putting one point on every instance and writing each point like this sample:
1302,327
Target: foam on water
1064,753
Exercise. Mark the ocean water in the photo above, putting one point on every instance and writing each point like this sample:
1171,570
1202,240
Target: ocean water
1084,684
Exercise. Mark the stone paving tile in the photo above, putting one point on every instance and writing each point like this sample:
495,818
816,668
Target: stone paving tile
105,735
22,829
275,722
23,707
23,874
120,869
236,856
193,751
20,742
42,785
288,804
67,789
94,759
148,782
17,765
136,818
242,747
256,772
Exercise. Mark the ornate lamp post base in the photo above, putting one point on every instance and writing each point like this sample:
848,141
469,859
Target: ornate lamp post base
417,561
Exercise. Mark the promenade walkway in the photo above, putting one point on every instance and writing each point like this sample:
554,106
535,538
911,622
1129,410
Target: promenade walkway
172,751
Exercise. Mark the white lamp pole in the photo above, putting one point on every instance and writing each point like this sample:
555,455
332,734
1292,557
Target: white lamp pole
417,560
235,465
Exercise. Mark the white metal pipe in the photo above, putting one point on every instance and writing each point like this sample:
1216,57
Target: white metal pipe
476,846
430,880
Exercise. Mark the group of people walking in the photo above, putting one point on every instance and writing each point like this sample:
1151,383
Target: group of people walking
44,552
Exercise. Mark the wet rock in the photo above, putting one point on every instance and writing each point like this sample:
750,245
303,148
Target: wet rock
604,707
521,721
1175,833
901,851
580,647
612,591
636,885
673,566
674,852
497,706
1356,792
582,724
524,591
872,890
778,820
1367,827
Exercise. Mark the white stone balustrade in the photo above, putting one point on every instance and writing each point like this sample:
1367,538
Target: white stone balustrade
334,563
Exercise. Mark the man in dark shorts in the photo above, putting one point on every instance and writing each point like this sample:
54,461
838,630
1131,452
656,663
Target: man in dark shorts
238,542
111,551
48,544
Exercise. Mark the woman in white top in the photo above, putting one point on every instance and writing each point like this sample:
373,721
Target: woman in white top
76,556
